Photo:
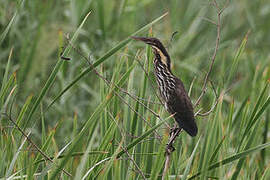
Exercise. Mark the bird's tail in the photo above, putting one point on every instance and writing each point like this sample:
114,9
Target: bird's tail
188,125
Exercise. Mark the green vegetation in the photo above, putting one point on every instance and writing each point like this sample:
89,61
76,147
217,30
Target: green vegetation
97,115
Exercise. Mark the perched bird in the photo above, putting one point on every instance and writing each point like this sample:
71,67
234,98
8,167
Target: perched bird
171,88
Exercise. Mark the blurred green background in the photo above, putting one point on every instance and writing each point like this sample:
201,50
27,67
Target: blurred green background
33,35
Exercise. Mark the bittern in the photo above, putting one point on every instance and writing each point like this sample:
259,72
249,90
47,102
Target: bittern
172,90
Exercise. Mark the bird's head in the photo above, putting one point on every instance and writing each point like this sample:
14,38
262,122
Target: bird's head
158,48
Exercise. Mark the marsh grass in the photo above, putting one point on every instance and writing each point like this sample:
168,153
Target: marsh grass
92,128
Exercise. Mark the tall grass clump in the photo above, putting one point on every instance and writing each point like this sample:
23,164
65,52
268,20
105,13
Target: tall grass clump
78,98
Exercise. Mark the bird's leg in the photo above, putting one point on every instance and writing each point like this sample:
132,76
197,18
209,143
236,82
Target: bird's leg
173,134
174,129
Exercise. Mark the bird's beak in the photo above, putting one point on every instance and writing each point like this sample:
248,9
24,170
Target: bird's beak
143,39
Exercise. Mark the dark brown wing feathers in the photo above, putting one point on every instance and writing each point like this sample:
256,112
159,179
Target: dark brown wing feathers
181,105
171,88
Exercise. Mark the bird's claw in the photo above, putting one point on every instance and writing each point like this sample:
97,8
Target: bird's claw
169,149
173,130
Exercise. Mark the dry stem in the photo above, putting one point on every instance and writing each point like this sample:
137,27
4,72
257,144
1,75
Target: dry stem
111,84
174,134
32,143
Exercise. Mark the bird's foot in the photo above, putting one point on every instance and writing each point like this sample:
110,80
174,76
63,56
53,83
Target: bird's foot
169,149
174,130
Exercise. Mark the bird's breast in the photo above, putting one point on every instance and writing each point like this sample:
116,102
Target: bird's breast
165,81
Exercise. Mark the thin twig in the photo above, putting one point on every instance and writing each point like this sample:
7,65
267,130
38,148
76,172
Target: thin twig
135,164
151,83
214,105
32,143
111,84
122,131
218,24
27,136
209,20
132,160
175,132
169,148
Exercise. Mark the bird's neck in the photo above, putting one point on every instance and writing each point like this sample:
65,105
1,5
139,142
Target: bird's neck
162,70
165,80
164,76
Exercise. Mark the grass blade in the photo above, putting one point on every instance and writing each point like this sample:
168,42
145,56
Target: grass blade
103,58
234,158
92,120
236,58
52,77
15,157
139,139
5,32
187,170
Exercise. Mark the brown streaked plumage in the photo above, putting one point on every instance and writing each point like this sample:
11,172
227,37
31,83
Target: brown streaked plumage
171,88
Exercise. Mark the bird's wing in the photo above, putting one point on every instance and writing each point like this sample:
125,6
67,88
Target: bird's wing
181,105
